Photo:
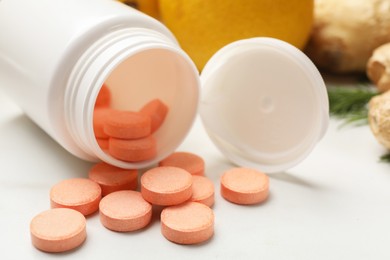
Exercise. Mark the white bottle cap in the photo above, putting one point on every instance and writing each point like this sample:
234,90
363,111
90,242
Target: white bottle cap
264,104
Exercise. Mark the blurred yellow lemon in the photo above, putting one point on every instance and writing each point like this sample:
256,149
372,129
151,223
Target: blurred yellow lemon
204,26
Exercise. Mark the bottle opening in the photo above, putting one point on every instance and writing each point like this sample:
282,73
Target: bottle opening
135,66
147,76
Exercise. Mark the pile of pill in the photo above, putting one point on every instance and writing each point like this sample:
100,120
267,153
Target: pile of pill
127,135
178,184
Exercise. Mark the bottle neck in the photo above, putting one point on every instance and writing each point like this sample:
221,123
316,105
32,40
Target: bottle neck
92,70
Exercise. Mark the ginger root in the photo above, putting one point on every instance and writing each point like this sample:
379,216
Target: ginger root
379,118
378,67
346,32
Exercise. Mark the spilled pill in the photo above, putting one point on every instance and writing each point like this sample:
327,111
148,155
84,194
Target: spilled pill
202,190
125,211
127,125
58,230
187,161
187,223
133,150
178,184
79,194
244,186
166,186
157,111
111,178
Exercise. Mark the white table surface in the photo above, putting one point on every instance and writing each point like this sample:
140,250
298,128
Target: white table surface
334,205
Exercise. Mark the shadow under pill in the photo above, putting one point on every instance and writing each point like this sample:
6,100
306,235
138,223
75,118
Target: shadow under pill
156,214
287,177
93,215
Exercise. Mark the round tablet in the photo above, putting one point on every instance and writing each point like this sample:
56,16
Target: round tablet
104,97
157,111
188,223
79,194
133,150
111,178
202,190
127,125
166,186
125,211
244,186
103,143
58,230
187,161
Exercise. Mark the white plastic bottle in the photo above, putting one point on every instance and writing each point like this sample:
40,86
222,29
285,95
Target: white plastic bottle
264,103
56,55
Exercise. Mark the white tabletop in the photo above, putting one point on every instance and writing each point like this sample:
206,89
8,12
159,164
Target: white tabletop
334,205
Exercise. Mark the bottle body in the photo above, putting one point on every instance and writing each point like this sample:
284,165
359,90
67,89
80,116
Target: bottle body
55,56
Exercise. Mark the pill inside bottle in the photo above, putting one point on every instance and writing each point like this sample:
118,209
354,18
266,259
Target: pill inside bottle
145,79
99,46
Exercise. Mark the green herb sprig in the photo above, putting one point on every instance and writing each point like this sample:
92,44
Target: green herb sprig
385,158
350,103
